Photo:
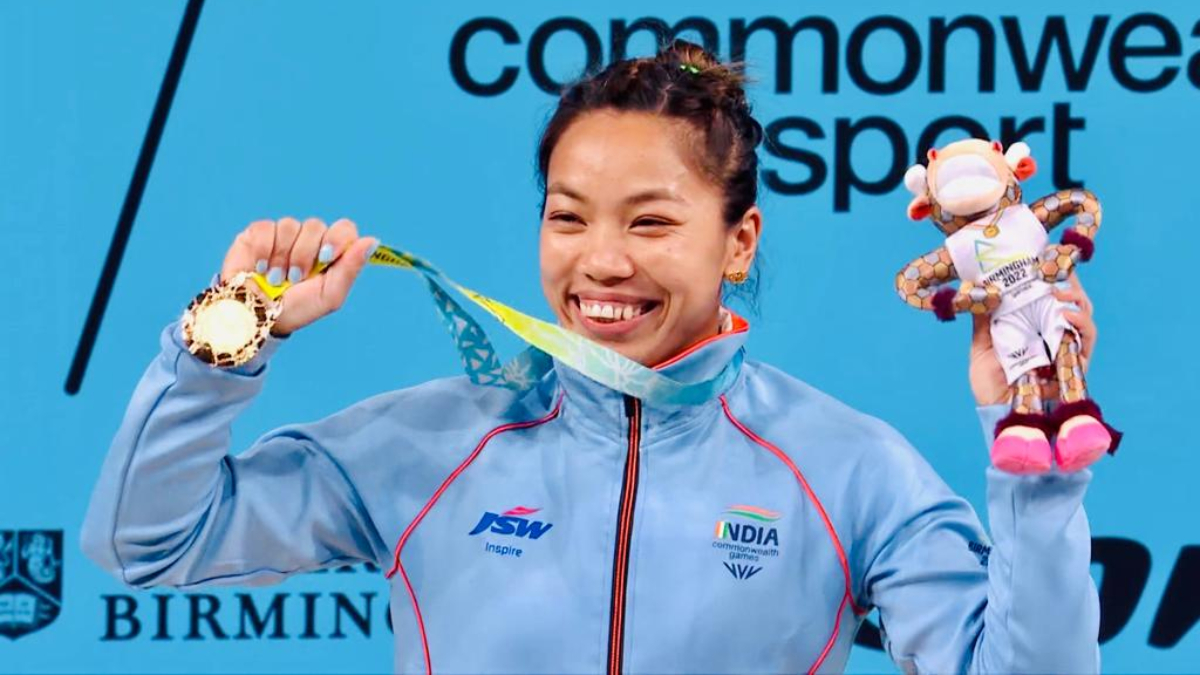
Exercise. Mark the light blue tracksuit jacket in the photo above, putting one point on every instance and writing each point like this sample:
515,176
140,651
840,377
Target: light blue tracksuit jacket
570,529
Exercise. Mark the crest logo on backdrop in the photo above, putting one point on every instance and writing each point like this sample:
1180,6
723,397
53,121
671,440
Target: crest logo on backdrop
30,580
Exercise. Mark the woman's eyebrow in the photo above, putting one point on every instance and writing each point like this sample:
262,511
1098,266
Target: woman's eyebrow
654,195
560,189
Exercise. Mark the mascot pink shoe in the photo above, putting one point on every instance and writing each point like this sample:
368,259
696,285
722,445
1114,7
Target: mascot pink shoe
1083,436
1021,445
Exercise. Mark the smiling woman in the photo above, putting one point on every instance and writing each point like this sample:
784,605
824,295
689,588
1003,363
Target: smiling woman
640,273
572,527
649,173
633,245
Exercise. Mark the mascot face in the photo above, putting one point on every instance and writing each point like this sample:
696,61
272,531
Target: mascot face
966,180
968,177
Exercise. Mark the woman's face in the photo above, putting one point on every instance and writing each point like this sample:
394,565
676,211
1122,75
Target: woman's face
633,242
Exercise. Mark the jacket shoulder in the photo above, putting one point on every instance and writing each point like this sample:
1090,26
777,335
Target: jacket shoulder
812,423
438,421
871,479
451,403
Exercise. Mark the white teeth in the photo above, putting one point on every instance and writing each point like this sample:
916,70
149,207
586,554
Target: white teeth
610,312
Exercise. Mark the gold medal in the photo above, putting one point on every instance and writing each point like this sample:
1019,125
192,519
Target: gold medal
227,324
993,228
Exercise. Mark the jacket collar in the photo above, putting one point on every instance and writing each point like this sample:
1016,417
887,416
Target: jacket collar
603,409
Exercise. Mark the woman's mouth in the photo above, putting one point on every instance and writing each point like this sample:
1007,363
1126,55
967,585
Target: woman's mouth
610,318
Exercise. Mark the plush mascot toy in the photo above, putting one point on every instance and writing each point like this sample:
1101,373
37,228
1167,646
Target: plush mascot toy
1000,249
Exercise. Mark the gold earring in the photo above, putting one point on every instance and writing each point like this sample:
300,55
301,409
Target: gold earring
738,277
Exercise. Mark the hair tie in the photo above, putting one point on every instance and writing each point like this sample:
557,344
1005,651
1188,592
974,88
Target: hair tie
694,70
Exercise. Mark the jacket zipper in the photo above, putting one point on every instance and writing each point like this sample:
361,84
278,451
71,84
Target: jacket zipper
616,629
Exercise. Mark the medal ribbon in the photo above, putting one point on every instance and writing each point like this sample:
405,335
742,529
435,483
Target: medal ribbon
483,366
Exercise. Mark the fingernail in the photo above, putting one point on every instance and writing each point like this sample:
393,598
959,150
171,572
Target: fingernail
294,274
371,251
325,254
260,266
275,276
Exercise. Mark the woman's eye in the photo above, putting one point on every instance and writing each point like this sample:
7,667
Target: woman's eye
565,217
650,221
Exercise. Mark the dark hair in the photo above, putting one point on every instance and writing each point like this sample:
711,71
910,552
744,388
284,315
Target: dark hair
683,81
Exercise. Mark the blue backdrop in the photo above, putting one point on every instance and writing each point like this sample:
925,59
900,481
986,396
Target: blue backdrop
419,121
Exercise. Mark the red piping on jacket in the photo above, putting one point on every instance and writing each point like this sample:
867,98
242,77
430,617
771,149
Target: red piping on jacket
848,595
433,500
740,325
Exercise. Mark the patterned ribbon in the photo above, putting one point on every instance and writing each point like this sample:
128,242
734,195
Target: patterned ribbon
483,366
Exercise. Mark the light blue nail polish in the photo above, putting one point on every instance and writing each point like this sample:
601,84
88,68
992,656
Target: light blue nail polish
294,274
325,254
275,276
371,251
260,266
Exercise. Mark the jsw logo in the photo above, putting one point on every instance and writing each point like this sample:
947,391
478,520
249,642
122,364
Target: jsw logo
512,522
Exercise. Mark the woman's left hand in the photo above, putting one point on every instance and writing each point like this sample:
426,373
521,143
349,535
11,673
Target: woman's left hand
988,382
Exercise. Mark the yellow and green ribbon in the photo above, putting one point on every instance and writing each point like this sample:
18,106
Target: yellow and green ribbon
483,367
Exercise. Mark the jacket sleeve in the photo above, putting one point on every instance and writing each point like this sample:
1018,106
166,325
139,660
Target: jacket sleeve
949,602
173,507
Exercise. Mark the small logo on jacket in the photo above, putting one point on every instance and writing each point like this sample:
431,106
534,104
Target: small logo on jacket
742,571
746,533
749,533
512,522
30,580
982,551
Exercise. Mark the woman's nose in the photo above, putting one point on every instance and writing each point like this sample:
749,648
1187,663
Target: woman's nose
606,258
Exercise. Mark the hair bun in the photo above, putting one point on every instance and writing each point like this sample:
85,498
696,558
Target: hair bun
724,83
689,53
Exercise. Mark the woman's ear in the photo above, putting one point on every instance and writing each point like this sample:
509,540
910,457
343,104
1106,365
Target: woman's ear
742,243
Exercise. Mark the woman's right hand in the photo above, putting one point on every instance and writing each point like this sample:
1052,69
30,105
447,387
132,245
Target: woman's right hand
287,249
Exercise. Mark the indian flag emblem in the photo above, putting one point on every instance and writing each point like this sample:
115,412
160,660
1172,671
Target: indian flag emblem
753,513
723,530
733,525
